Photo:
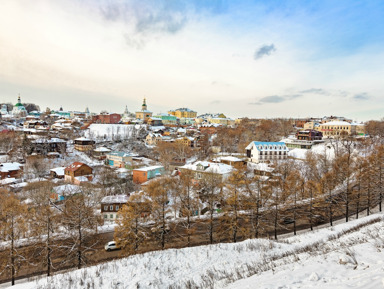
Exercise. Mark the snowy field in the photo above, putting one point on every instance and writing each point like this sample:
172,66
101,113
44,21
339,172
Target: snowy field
111,131
348,255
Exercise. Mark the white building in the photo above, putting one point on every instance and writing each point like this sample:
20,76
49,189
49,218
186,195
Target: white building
201,169
259,152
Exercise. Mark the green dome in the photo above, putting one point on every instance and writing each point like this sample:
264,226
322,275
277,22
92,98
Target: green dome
18,104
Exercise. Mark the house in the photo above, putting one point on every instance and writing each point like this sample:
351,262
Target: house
186,141
45,146
153,139
101,152
76,171
155,121
183,113
84,144
119,159
167,119
57,173
202,169
63,192
107,118
266,151
110,205
10,170
309,135
142,175
337,128
232,161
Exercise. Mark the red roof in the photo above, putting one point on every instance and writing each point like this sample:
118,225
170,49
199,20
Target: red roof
73,167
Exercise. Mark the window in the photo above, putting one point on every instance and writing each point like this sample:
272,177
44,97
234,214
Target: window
111,216
111,208
105,216
117,207
105,208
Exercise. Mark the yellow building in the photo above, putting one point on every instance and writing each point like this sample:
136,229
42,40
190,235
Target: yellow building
183,113
337,128
144,114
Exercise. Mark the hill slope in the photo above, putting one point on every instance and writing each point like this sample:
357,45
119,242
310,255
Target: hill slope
345,256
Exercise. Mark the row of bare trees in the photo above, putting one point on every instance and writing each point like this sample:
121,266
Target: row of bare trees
299,193
44,235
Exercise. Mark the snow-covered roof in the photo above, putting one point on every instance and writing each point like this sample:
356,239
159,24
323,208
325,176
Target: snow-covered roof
83,139
217,168
6,167
102,149
119,154
146,169
120,199
336,123
52,140
74,166
68,189
268,146
7,181
59,171
228,158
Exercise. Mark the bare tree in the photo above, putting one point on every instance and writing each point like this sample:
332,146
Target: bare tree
130,232
80,221
13,227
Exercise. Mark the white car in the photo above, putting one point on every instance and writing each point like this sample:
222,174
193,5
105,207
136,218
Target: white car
111,246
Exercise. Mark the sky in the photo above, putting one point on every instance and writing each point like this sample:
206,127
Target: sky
242,58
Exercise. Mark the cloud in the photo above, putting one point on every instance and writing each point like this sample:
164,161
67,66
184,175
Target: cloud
275,99
215,102
361,96
315,91
264,50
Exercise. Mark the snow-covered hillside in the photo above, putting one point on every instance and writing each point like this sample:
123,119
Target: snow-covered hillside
346,256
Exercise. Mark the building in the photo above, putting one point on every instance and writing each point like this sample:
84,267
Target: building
232,161
337,128
155,121
167,119
183,113
110,206
110,118
84,144
153,139
10,170
142,175
101,152
19,109
266,151
186,141
48,146
63,192
309,135
57,173
77,173
119,159
202,169
144,114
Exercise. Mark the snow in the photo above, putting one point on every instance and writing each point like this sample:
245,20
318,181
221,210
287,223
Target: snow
121,199
6,167
348,255
59,171
317,149
111,131
146,169
336,123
